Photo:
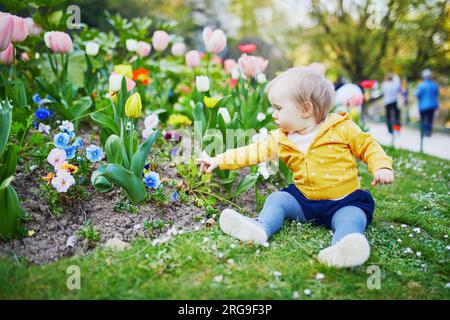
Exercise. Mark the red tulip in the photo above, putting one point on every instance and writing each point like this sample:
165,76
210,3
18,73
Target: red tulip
247,48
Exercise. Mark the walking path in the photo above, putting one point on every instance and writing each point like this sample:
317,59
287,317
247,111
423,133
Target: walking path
437,145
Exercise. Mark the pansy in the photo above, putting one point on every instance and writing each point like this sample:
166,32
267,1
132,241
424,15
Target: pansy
63,180
49,177
70,151
69,167
151,121
37,98
174,196
78,143
56,157
43,114
152,180
94,153
66,124
61,140
44,128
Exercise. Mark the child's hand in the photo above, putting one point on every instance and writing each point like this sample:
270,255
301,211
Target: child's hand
383,176
207,164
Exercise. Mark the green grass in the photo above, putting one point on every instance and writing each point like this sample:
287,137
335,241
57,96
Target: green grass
185,267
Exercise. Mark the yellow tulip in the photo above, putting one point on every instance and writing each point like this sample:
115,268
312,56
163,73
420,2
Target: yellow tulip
133,106
124,69
210,102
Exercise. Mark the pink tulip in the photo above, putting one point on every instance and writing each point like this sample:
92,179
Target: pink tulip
33,28
143,49
130,84
20,31
60,42
24,57
6,56
160,40
251,65
6,30
229,65
215,41
178,49
192,59
216,59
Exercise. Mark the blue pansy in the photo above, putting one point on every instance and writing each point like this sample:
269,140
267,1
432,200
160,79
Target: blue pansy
37,98
174,196
67,131
152,180
61,140
94,153
78,143
42,114
70,152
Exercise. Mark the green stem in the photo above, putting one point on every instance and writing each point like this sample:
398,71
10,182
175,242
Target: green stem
88,114
221,199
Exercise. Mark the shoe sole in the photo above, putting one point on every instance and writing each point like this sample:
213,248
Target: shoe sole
353,250
235,225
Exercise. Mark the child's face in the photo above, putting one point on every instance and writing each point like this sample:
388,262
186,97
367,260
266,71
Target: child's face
287,114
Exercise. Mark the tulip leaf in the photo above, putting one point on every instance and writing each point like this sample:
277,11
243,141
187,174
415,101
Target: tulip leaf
105,121
81,107
11,213
246,183
113,149
118,175
139,158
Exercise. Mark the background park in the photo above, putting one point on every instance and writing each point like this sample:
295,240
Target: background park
100,200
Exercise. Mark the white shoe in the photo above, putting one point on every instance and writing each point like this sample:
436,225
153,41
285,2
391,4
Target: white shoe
351,251
242,227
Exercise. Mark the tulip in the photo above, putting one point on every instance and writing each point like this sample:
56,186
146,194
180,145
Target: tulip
47,38
59,42
92,48
6,30
115,81
143,49
225,115
20,31
202,83
6,56
33,28
250,66
178,49
192,59
229,65
160,40
124,69
235,74
215,41
133,106
216,59
131,45
261,78
24,57
247,48
210,102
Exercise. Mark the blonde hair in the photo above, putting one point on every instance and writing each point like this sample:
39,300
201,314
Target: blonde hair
309,86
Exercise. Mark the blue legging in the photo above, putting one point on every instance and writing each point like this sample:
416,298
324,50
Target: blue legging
281,205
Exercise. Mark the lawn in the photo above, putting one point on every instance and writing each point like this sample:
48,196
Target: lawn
409,238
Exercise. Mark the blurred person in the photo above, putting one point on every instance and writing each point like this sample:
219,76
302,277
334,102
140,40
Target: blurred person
427,94
390,88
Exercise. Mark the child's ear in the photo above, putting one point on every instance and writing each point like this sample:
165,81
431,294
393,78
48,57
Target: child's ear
307,109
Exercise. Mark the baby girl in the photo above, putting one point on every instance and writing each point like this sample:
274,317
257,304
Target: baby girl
320,149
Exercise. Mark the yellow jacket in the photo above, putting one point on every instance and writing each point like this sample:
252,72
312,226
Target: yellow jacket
328,169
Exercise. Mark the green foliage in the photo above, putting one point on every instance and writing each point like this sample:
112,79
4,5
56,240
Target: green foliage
88,232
